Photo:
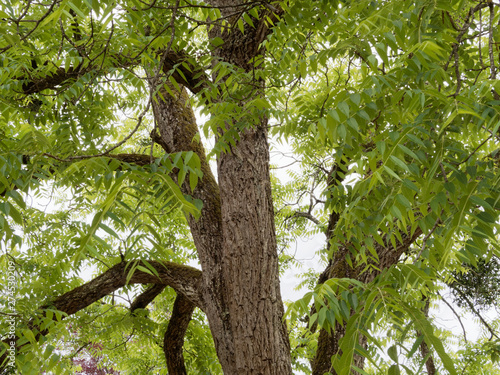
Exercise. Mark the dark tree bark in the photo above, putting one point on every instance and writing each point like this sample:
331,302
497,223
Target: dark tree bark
235,236
236,245
424,349
174,336
329,344
250,258
147,297
184,279
177,132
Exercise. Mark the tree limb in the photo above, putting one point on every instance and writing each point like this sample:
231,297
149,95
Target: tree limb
59,77
424,349
456,314
174,335
179,64
328,344
184,279
475,312
307,215
145,298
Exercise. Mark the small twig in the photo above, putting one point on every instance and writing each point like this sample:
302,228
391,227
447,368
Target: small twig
493,72
444,172
456,314
424,241
475,150
81,157
479,39
471,305
7,314
457,73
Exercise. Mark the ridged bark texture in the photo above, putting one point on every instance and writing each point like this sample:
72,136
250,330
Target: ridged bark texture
174,335
177,132
250,260
235,239
329,344
235,235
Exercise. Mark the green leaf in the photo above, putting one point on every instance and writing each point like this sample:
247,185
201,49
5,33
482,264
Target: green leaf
392,352
344,108
241,26
427,330
394,370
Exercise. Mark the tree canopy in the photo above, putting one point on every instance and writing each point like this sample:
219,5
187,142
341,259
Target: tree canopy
134,145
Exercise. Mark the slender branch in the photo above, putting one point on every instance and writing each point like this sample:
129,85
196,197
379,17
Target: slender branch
457,72
105,153
474,310
307,215
424,241
456,314
479,39
474,151
138,159
493,71
467,23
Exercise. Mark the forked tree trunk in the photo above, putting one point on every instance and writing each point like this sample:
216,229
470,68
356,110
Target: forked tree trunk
235,240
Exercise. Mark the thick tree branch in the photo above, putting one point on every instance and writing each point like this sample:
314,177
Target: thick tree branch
328,344
145,298
174,336
181,66
177,63
184,279
59,77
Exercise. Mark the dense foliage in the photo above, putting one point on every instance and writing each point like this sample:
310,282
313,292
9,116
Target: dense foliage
390,111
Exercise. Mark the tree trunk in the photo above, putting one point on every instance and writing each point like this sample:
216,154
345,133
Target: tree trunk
424,349
329,344
235,236
235,240
250,260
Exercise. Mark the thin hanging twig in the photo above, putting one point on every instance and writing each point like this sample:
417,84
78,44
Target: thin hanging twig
493,72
